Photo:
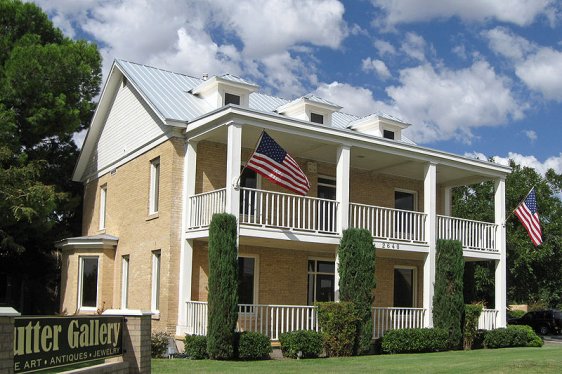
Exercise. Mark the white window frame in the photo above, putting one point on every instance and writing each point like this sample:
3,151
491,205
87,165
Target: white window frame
80,283
103,207
125,281
156,281
256,274
415,193
154,194
324,259
414,282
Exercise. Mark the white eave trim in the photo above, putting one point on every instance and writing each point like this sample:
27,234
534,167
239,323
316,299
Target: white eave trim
85,242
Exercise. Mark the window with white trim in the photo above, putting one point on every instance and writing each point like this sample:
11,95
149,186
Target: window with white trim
231,99
321,280
154,186
155,299
405,286
316,118
88,282
124,282
103,206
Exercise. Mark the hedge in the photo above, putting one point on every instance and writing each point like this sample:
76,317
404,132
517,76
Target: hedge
533,340
254,346
195,347
504,338
415,340
471,315
338,323
308,343
159,344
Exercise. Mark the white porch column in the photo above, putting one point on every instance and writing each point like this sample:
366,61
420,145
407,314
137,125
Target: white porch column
233,162
429,208
448,196
500,278
186,246
342,197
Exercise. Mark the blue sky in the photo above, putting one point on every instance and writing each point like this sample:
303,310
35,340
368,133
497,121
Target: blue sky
478,78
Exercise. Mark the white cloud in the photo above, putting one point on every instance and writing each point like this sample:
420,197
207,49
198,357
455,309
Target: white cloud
531,134
540,68
384,47
553,162
519,12
445,104
377,66
354,100
414,46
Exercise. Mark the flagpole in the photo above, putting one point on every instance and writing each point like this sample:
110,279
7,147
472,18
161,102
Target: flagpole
237,184
513,210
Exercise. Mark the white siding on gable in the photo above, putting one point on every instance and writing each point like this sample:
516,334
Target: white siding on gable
130,125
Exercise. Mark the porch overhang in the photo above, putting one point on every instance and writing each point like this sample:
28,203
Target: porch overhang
102,241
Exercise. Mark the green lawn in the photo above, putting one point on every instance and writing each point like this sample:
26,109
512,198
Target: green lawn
547,359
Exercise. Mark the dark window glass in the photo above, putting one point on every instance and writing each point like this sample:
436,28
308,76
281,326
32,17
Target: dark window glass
231,99
404,200
326,267
403,288
324,287
246,268
89,282
316,118
320,286
248,179
388,134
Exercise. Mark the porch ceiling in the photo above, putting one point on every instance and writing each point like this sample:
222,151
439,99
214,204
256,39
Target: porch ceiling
382,161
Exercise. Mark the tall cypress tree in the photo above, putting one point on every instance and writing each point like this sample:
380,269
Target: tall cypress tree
448,300
223,287
357,281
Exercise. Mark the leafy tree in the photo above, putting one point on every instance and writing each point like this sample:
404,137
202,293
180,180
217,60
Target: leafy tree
223,287
533,274
448,304
47,87
357,281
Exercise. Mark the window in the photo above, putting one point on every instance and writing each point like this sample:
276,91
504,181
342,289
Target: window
88,283
327,212
405,200
387,134
231,99
155,301
246,280
124,282
154,186
405,287
316,118
103,206
320,280
404,222
248,179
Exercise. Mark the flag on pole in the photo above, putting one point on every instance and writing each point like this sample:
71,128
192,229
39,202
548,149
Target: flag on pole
274,163
527,213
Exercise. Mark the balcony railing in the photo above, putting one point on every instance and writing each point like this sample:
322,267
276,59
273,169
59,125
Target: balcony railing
268,209
388,223
472,234
487,320
287,211
385,319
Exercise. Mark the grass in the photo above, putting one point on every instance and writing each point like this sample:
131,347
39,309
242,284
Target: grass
510,360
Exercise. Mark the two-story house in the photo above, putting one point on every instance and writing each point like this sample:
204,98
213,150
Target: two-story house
165,151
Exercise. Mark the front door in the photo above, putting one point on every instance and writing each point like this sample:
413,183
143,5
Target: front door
326,212
403,221
404,283
248,179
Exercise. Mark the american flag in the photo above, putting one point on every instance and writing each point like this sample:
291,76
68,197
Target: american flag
274,163
526,211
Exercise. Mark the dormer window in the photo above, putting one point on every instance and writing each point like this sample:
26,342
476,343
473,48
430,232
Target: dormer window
231,99
316,118
387,134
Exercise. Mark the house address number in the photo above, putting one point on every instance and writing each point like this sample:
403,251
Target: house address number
390,246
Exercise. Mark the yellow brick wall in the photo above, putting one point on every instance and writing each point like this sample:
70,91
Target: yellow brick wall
140,234
283,275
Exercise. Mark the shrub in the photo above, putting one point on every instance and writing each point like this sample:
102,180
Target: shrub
195,347
533,340
515,313
503,338
356,267
309,343
471,316
338,323
159,344
478,342
254,346
223,287
448,299
415,340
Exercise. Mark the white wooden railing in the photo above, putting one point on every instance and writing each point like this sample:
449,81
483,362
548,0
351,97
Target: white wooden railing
472,234
273,320
204,205
388,223
385,319
487,320
287,211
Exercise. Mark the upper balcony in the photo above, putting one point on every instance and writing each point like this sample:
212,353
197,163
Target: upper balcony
391,228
